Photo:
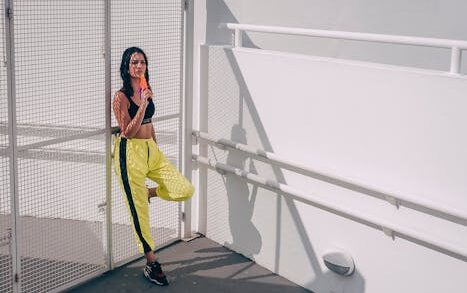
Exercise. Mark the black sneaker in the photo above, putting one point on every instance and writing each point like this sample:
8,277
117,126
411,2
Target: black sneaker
154,273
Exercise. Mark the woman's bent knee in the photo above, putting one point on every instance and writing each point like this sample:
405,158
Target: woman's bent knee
185,193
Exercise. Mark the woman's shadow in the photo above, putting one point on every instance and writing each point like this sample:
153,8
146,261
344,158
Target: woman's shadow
245,237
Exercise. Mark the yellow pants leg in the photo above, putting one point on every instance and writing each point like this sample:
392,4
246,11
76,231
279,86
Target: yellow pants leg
172,185
131,167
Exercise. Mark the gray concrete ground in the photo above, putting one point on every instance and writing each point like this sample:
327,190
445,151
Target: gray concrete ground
200,265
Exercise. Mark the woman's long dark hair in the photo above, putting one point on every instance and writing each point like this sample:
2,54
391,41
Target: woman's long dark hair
125,70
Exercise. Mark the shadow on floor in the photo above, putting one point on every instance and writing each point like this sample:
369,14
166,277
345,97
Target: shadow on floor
200,265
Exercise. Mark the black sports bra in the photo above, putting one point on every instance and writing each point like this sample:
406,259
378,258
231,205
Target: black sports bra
150,109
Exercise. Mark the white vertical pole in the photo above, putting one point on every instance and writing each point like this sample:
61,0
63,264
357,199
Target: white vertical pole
199,31
108,137
455,60
188,110
12,145
238,38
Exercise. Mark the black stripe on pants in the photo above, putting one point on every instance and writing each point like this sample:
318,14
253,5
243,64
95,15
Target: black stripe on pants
126,186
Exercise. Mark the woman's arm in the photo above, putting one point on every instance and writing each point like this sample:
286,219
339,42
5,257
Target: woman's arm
128,127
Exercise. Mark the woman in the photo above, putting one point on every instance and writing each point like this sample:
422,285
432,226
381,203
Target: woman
138,157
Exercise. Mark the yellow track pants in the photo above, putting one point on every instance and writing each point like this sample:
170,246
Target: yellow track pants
135,160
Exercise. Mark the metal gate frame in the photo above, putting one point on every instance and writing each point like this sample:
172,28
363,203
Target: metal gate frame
185,134
12,143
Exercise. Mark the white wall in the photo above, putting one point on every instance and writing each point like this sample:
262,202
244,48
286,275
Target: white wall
392,127
424,18
395,128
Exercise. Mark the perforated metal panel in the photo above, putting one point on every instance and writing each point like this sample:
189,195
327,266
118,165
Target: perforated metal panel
59,67
61,226
157,28
59,72
6,279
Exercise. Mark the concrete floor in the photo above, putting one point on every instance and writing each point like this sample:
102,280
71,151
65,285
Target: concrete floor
200,265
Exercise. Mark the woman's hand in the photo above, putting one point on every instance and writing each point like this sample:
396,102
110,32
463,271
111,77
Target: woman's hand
146,95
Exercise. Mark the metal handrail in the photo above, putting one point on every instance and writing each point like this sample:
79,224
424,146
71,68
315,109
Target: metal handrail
85,134
455,45
388,228
446,212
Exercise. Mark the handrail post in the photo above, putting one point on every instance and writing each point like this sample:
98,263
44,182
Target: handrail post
456,46
238,38
455,60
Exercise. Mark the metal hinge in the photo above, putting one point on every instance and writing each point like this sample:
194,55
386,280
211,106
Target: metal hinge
194,165
388,232
101,207
194,139
8,12
182,216
6,240
392,200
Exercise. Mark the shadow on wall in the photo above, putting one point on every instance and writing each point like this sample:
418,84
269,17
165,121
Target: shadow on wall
217,13
246,236
239,197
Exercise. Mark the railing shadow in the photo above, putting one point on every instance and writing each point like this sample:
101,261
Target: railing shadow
236,189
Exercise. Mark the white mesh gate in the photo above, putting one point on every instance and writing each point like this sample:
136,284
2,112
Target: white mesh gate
54,228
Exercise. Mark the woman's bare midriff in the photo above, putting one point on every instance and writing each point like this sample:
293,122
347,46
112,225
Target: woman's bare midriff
144,131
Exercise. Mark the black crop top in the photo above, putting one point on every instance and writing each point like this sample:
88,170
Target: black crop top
150,109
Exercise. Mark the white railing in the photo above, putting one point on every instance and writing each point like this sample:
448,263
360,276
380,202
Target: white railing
456,46
315,200
395,199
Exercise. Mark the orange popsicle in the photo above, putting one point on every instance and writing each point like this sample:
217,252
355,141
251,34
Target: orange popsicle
143,84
